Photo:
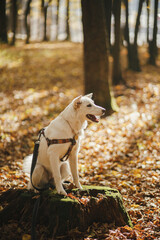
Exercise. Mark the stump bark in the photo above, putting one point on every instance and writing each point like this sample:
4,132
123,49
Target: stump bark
59,214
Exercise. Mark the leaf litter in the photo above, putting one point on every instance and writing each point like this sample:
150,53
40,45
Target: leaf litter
122,151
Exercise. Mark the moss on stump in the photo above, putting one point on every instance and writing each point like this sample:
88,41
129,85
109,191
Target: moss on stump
61,214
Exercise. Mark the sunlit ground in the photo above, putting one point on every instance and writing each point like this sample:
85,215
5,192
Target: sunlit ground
122,151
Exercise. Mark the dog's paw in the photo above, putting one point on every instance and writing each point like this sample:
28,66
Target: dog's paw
62,192
79,186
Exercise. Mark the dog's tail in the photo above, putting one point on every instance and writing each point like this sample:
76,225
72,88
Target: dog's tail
27,164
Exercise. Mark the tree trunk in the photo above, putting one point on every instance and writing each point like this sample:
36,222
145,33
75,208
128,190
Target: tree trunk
45,5
68,37
116,72
126,34
134,48
27,25
153,43
57,18
95,52
45,22
14,20
58,215
3,22
108,13
148,11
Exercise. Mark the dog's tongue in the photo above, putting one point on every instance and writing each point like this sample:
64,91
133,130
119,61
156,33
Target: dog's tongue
93,118
96,119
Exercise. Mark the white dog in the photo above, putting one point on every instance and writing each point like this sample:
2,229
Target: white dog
68,125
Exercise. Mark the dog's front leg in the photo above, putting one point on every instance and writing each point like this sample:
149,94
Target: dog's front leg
55,168
73,161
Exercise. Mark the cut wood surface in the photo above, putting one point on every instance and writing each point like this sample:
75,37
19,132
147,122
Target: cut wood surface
59,214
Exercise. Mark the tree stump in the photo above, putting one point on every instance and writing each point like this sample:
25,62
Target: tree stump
59,214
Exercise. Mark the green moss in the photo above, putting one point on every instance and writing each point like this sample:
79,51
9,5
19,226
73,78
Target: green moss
28,194
124,212
60,214
63,206
105,190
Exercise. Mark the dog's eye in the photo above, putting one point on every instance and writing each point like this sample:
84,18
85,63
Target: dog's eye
89,105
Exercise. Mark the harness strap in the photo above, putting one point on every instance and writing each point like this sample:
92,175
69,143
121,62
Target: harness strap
34,161
60,141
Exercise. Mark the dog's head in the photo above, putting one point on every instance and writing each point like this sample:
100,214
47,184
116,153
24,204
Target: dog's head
85,107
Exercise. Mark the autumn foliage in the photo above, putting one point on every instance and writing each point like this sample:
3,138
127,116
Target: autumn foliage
122,151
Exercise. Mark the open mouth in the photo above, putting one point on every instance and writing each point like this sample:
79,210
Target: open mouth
93,118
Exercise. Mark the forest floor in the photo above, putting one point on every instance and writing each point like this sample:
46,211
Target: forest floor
122,151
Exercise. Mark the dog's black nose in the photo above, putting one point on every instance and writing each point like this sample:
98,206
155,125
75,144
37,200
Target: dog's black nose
103,111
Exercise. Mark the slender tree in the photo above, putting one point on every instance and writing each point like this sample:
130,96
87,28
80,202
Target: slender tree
108,14
45,5
3,22
148,12
153,43
117,74
134,60
14,20
67,21
26,20
138,21
126,33
57,18
95,52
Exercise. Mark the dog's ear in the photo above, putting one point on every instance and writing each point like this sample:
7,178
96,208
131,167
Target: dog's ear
77,102
90,95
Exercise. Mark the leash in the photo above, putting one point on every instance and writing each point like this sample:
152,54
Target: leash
37,203
34,218
34,161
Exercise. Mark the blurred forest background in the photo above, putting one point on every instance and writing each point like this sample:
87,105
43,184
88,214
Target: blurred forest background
54,50
123,24
61,20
